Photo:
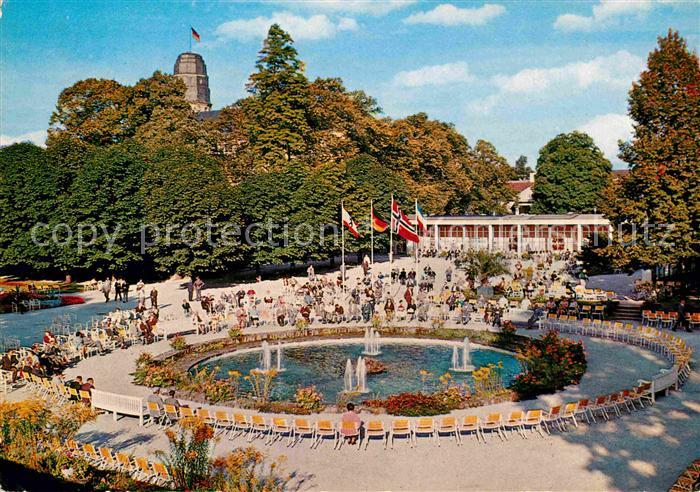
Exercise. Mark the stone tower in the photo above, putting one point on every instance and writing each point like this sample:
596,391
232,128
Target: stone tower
191,69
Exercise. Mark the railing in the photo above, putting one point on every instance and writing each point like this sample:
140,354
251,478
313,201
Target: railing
664,381
118,404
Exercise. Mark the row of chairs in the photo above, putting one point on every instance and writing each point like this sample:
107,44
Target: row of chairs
689,480
659,319
295,430
140,468
673,347
668,320
54,391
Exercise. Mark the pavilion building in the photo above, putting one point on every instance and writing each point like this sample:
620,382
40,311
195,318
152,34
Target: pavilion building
515,233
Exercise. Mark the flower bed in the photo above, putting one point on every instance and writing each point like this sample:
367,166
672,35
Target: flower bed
488,389
71,300
550,363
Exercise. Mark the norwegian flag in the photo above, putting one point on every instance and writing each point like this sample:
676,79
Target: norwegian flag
401,224
349,223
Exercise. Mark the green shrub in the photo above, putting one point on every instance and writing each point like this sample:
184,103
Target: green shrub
550,363
310,399
178,343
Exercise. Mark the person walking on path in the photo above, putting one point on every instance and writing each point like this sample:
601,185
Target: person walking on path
154,297
118,285
106,288
198,286
190,289
125,290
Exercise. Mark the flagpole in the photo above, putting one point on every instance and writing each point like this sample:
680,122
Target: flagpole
190,38
342,246
371,230
418,231
391,232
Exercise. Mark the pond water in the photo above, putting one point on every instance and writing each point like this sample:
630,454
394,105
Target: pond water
324,366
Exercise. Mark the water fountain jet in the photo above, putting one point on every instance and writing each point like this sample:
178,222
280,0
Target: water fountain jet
361,375
266,359
466,363
280,368
372,346
347,380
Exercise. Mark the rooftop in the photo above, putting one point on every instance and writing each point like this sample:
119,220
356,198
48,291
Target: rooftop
520,185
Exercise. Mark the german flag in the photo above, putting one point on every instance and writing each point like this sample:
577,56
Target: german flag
378,224
195,34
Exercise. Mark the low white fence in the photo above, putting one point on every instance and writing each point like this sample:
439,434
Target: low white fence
119,404
664,381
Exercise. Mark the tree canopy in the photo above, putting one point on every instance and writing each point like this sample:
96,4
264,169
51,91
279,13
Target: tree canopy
521,169
132,160
656,208
572,174
29,185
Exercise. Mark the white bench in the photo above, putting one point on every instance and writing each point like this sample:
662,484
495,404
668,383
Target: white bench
664,381
5,382
118,404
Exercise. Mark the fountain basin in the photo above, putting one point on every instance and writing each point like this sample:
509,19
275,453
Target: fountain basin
323,363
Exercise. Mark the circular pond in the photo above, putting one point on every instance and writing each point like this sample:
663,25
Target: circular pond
324,364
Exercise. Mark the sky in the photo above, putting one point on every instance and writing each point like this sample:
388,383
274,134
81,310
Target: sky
516,73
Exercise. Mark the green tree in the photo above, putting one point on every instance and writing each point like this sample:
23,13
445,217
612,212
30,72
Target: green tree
489,173
185,192
278,128
367,181
106,194
29,194
159,115
92,111
521,170
431,157
572,174
266,204
656,208
103,112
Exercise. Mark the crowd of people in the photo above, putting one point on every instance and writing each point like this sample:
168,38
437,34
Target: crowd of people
117,290
403,295
42,360
55,353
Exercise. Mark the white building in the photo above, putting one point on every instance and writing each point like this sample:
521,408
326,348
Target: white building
523,189
516,233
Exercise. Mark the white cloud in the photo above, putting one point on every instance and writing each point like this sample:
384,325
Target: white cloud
447,14
38,137
484,105
617,70
606,130
604,14
310,28
347,24
356,7
448,73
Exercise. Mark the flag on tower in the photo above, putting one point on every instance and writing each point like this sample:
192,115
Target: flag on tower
378,224
349,223
195,34
420,219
